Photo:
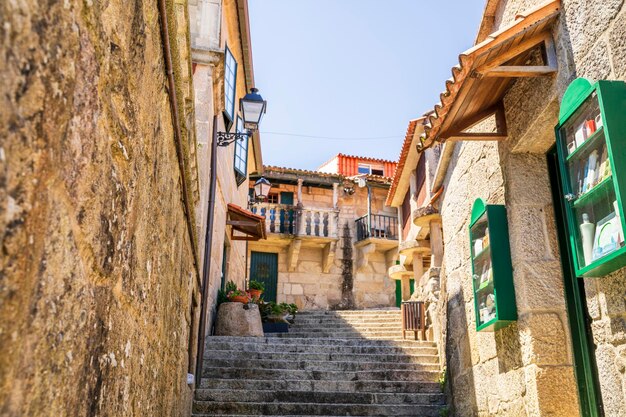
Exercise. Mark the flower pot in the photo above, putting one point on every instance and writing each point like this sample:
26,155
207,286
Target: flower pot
255,294
239,299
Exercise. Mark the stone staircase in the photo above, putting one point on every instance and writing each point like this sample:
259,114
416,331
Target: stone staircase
331,363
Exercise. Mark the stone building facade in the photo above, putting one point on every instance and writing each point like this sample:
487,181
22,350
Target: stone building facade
219,28
98,267
327,254
535,366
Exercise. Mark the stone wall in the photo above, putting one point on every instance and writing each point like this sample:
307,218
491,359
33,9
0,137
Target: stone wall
208,56
97,277
527,368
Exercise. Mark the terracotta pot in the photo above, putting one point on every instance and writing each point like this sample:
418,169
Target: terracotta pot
239,299
255,294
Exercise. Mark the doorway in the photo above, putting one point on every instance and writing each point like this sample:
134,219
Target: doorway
264,268
579,321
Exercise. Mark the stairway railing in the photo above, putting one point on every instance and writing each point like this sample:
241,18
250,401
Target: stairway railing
413,318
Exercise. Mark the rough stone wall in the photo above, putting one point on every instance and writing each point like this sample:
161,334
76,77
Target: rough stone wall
524,369
96,272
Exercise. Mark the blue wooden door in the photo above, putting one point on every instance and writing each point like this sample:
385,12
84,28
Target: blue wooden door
264,268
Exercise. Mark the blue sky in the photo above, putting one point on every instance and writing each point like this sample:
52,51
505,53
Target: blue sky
355,69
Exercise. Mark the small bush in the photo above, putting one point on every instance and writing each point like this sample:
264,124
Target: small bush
256,285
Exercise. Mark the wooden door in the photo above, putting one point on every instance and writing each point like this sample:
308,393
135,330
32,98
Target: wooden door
264,268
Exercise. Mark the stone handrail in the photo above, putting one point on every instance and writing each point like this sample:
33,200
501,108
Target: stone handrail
298,221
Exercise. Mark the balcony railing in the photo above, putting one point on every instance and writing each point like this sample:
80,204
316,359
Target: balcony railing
298,221
376,226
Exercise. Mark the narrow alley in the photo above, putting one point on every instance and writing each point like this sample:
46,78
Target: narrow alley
398,208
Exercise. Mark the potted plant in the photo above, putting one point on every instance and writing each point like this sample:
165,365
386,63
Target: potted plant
273,317
234,294
238,296
255,289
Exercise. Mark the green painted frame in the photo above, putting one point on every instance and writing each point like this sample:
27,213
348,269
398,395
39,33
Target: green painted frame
612,103
500,253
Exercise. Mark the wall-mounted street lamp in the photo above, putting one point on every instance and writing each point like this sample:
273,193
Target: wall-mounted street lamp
252,108
261,189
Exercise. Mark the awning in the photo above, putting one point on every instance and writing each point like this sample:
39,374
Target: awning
486,71
246,222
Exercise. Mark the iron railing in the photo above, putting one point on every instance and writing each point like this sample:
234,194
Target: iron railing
376,226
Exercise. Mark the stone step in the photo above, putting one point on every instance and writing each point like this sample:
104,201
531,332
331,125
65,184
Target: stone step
350,314
292,396
372,349
277,408
349,331
357,336
306,356
333,366
323,386
323,375
345,327
235,340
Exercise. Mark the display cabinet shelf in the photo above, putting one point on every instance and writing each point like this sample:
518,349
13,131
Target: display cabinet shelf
591,146
586,145
595,193
492,273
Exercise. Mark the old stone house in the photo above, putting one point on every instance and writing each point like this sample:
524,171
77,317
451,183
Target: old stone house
106,133
560,348
420,243
329,236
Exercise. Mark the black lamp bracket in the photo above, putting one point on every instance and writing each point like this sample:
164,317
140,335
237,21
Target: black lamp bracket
225,138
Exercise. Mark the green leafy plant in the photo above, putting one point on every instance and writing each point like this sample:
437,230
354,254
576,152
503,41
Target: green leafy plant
444,411
235,293
230,286
221,297
442,379
290,308
256,285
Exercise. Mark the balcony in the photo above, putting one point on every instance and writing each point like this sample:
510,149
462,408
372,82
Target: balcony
293,221
376,226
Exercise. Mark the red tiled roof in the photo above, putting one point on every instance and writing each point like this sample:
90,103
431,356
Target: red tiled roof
406,148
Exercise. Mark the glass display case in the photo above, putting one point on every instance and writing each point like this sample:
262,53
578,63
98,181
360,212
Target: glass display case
492,272
591,145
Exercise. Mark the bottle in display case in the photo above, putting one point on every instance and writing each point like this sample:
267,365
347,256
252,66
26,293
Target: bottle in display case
591,143
492,273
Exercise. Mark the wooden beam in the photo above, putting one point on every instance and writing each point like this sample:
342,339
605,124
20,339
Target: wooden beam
249,238
513,71
478,136
550,52
518,49
242,223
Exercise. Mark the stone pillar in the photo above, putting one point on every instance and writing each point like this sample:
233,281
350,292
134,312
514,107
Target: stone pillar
436,243
300,181
418,267
335,193
406,287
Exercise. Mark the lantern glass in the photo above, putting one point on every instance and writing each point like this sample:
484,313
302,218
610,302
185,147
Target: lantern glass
252,107
262,188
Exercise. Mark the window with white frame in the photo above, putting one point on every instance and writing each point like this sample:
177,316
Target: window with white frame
365,169
230,82
241,154
370,170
